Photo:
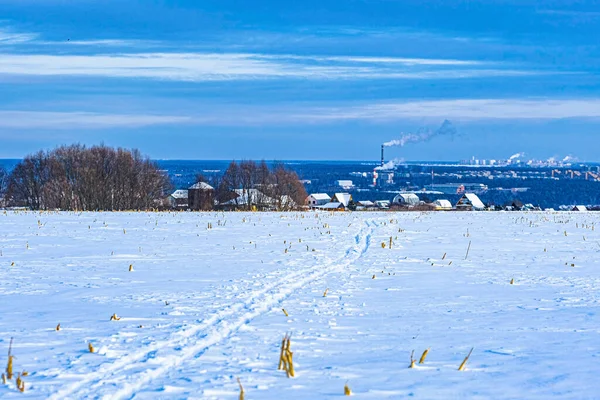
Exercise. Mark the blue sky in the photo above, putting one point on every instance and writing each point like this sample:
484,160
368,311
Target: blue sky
320,79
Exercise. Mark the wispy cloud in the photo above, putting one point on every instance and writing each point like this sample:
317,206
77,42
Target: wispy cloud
101,43
88,120
9,37
570,13
463,110
235,66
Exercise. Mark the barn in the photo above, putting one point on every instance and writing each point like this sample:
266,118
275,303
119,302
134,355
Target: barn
201,197
407,199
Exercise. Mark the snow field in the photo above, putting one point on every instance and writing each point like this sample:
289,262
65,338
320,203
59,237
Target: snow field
204,306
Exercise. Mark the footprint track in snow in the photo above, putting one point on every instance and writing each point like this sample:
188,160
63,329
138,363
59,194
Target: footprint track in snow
132,372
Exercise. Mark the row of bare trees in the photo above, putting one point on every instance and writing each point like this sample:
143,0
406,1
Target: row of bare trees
80,178
248,184
3,184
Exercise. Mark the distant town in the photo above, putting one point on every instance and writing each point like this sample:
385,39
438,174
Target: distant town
513,183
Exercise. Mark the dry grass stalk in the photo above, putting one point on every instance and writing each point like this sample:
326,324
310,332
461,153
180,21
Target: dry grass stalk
114,317
325,293
3,379
9,365
286,357
468,248
58,327
464,363
424,356
285,312
512,281
444,257
281,361
130,267
241,389
91,347
347,391
412,359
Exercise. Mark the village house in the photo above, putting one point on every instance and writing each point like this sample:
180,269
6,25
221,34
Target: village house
365,205
254,199
179,199
317,199
470,202
382,204
332,206
344,198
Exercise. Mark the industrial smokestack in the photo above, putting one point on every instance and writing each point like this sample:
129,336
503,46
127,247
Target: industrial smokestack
382,159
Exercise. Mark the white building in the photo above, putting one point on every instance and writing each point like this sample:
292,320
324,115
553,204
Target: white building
407,199
443,205
317,199
345,184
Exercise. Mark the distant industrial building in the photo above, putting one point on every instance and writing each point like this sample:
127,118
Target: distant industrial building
345,184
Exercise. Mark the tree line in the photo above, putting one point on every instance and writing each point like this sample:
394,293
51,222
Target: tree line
101,178
79,178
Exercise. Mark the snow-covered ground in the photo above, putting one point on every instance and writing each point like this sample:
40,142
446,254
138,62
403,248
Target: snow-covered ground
203,307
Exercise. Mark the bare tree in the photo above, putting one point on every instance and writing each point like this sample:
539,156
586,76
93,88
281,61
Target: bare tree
229,183
289,192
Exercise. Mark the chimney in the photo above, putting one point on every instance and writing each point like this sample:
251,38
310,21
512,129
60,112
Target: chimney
382,160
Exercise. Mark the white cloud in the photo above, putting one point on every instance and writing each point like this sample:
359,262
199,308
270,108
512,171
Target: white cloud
470,109
235,66
456,110
377,60
87,120
100,43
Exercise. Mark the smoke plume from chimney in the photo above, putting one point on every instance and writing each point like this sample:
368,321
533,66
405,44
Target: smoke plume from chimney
422,135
